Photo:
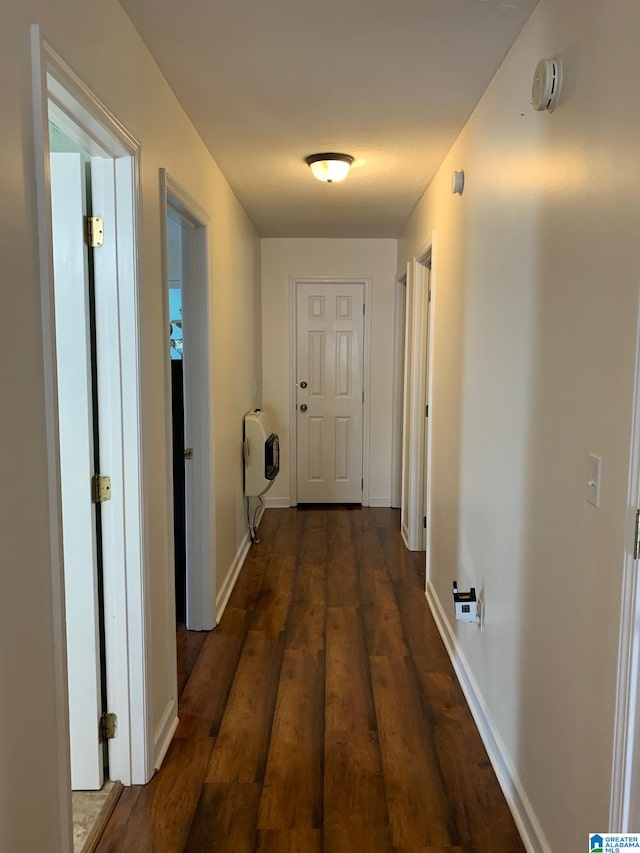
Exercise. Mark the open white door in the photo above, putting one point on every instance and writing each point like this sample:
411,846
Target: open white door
75,424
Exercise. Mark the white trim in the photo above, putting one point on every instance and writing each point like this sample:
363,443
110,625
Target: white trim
127,643
406,402
59,722
273,503
380,501
431,326
201,574
398,390
523,814
165,731
366,379
627,717
418,324
366,385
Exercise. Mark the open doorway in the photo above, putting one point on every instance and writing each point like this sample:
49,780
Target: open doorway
91,356
397,426
189,418
415,517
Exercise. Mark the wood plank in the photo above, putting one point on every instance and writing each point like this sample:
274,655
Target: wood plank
205,694
443,850
156,817
381,616
225,819
289,841
478,805
338,526
312,545
355,809
292,793
420,632
306,622
342,574
240,752
349,697
246,593
272,608
278,534
188,647
419,812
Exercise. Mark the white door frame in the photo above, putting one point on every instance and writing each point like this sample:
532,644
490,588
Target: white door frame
398,390
418,374
625,782
126,599
199,492
293,373
406,406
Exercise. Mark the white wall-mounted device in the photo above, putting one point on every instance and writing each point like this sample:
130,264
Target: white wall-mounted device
261,454
457,182
466,604
547,83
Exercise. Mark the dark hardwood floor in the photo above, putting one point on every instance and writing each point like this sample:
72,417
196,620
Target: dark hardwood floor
323,713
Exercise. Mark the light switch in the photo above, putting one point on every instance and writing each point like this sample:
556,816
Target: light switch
593,478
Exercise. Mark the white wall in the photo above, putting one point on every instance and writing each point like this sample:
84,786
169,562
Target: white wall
283,259
536,274
102,46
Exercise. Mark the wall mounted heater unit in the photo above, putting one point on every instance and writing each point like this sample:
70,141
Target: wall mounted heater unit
261,454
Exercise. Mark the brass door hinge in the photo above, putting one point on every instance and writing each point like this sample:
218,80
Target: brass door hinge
636,541
100,489
94,231
107,727
188,453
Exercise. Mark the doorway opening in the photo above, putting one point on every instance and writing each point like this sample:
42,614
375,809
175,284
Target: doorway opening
397,427
91,352
190,419
416,481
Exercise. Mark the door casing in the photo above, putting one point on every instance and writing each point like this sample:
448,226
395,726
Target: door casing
293,372
57,88
625,775
398,391
199,476
419,338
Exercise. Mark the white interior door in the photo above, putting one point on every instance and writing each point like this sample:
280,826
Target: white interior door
76,436
329,387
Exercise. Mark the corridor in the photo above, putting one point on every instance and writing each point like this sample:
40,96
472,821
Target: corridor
323,712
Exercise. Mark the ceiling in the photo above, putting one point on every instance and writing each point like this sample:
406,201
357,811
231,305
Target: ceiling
267,82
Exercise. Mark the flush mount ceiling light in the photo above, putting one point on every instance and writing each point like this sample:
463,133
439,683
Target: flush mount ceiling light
329,167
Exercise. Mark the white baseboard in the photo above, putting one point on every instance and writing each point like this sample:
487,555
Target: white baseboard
164,732
277,502
379,501
528,825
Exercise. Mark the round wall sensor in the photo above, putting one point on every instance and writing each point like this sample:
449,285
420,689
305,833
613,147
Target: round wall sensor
457,182
547,82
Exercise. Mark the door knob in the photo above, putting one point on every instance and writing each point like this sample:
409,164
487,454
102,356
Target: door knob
303,407
303,384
